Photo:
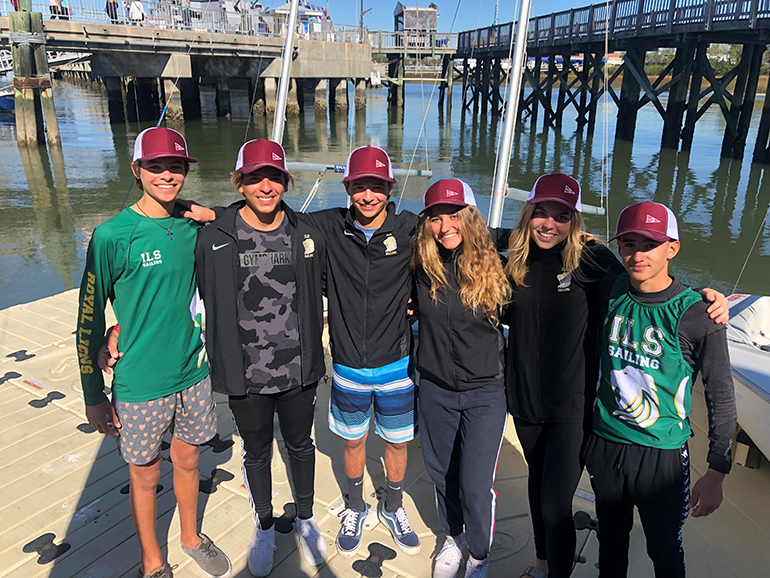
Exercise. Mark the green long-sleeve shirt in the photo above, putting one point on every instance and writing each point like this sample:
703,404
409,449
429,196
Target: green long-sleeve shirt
150,280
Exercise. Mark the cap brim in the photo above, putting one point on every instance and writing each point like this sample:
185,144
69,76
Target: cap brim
250,168
444,202
654,235
166,155
350,178
559,200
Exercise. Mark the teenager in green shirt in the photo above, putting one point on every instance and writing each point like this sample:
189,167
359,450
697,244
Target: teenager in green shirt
656,338
143,261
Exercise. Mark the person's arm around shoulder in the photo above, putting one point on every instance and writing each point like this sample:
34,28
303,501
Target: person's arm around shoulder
500,237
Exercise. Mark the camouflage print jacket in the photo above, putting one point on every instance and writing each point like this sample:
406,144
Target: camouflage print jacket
216,258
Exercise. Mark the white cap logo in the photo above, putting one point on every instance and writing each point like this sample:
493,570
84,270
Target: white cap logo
178,147
568,191
378,164
451,193
651,219
277,157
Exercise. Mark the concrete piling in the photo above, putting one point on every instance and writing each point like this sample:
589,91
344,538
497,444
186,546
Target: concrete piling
320,106
223,98
174,112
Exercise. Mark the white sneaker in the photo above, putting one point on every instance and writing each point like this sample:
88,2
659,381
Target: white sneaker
449,560
311,541
261,552
477,568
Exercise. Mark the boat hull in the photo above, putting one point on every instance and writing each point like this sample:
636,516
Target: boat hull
750,366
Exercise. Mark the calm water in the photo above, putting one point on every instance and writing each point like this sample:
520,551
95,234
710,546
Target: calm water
51,201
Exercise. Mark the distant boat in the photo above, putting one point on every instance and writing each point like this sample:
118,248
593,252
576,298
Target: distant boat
749,342
6,99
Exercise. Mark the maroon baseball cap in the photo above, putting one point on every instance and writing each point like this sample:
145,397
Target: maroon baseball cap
259,153
159,142
449,192
368,161
558,188
651,220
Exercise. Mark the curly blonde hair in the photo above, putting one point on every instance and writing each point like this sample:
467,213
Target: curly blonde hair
480,272
519,243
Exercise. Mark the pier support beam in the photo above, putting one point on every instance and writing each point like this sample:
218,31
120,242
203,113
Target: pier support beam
628,106
29,129
129,96
190,94
672,121
360,94
46,90
223,98
693,102
147,99
320,106
114,86
396,73
174,112
338,89
292,102
742,103
258,108
270,95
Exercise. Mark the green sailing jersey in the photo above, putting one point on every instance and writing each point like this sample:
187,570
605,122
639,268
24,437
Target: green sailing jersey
150,279
644,394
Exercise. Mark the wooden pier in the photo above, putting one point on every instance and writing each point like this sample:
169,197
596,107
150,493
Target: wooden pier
567,57
65,506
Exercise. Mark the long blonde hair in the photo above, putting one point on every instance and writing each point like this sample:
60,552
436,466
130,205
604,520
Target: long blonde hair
480,272
519,243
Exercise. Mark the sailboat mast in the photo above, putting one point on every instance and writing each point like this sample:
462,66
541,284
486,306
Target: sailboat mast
283,83
511,112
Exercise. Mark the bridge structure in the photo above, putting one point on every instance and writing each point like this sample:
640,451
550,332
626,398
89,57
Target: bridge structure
164,58
568,54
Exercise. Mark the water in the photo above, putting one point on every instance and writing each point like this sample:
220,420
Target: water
50,201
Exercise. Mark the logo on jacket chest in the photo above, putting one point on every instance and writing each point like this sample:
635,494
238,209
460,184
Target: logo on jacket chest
309,245
391,246
565,281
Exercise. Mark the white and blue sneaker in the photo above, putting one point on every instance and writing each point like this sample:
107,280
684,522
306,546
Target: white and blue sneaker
406,538
477,568
349,536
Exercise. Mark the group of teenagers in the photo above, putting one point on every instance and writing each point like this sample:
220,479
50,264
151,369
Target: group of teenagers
597,369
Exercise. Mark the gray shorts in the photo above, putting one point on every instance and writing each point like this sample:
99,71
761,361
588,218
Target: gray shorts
189,414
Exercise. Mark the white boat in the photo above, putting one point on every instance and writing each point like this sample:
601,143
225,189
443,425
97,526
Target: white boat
748,337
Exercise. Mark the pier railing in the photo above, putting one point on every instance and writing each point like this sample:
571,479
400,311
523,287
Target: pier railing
626,19
197,16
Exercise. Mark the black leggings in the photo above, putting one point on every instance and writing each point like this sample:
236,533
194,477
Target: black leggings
553,456
253,415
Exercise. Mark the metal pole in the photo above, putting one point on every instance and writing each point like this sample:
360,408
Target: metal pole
283,83
511,109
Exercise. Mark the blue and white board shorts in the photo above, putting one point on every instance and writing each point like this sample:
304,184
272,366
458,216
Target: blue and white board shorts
390,388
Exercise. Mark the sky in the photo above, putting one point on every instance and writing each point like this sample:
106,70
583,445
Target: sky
471,13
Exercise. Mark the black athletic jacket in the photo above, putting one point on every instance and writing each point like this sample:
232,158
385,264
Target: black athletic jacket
552,362
458,349
367,287
216,258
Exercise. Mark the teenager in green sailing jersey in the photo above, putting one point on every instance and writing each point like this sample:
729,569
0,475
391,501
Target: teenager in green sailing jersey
143,261
656,338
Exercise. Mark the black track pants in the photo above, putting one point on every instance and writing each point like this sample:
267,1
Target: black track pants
657,482
461,434
552,452
254,419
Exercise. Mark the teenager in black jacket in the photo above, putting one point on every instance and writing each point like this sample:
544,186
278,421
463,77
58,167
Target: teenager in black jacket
260,269
460,291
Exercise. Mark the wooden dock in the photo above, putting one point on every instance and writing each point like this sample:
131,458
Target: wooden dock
65,512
